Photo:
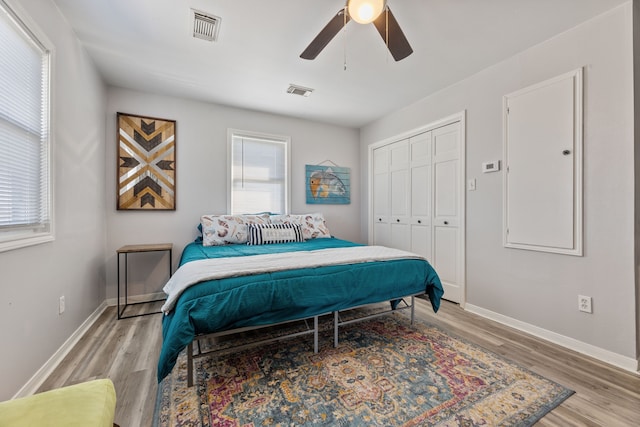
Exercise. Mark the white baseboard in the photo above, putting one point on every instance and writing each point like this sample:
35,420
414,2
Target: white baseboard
626,363
132,299
43,373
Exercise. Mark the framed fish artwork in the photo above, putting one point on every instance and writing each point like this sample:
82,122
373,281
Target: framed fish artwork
329,185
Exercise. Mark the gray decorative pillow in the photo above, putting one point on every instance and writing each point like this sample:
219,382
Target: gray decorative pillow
264,234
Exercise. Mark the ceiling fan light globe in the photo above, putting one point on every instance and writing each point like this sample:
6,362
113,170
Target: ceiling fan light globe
365,11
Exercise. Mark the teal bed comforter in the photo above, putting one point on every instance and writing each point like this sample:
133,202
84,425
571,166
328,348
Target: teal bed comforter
263,299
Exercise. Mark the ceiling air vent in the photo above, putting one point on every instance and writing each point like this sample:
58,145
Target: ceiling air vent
299,90
205,25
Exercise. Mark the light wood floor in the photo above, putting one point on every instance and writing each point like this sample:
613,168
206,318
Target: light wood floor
127,352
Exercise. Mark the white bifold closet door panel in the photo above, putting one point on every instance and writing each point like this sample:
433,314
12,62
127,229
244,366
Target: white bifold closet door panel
446,257
543,166
380,194
420,218
399,187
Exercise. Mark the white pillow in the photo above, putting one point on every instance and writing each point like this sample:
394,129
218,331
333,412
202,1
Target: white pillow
313,225
228,229
264,234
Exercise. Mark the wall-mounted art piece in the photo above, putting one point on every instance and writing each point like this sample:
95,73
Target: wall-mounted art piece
329,185
146,163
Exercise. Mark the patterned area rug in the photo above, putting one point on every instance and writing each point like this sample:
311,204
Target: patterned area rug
385,372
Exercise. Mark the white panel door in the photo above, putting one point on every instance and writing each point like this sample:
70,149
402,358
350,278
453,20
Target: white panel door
400,236
447,244
420,218
399,170
543,167
420,175
381,199
399,193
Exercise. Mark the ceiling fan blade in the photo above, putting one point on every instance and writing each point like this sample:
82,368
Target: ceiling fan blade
397,43
326,35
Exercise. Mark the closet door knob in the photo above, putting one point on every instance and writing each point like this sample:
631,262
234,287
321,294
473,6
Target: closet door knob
419,222
446,223
397,220
379,219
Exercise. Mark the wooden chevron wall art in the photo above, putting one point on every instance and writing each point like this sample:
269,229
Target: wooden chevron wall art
146,163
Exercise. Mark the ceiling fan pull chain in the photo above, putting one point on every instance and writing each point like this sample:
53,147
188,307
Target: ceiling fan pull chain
344,40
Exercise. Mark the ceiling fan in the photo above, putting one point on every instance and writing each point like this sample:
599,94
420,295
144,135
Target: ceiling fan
363,12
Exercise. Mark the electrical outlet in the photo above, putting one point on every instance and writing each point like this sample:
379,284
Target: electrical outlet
584,304
61,305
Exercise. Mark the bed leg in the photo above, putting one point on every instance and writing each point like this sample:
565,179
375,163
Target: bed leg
190,364
413,308
315,334
335,329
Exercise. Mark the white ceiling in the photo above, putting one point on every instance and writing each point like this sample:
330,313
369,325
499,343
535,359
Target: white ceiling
147,45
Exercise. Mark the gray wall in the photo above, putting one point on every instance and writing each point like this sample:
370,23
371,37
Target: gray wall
636,105
537,288
201,155
32,279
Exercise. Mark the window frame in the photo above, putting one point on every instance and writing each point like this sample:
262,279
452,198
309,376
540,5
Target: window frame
18,237
281,139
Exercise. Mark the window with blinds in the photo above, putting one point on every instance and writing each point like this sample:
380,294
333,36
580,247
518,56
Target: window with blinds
259,166
25,187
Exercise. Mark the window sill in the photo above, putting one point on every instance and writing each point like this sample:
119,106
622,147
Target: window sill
32,240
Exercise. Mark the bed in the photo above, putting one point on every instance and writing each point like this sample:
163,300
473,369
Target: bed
217,304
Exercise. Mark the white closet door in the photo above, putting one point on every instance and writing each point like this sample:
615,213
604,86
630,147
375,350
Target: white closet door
418,201
447,245
381,199
399,190
420,219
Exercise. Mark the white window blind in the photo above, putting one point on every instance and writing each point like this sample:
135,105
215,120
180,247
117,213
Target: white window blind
25,216
259,173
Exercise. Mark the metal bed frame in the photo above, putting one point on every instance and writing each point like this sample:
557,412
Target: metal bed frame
202,353
336,322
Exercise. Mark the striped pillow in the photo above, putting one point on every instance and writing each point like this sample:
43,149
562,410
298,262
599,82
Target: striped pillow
264,234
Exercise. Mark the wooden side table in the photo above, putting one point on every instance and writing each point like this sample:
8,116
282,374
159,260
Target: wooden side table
126,250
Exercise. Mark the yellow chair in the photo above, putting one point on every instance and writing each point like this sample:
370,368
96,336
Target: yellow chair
89,404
